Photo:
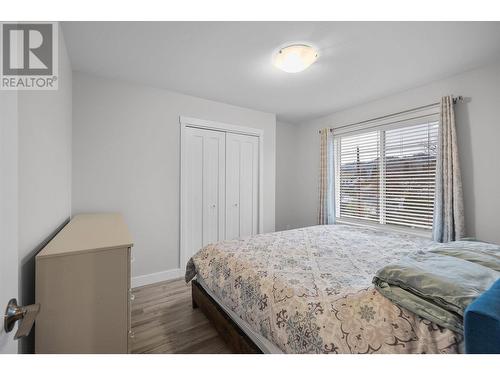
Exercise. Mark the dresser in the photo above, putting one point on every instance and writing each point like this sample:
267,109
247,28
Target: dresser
83,287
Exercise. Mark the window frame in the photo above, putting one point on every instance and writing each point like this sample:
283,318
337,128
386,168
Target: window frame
431,115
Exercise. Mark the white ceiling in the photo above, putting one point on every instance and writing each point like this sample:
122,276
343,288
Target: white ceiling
231,61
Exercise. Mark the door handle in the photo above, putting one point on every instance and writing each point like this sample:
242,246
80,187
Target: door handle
26,314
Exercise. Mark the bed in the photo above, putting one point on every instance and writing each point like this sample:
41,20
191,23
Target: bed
310,290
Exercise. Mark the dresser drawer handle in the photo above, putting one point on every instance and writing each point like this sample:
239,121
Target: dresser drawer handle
131,334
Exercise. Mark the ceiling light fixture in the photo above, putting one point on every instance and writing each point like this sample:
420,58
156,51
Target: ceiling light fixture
295,58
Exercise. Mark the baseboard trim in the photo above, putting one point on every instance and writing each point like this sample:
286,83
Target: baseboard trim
156,277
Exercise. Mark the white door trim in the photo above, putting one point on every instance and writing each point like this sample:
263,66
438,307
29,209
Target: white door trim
9,262
218,126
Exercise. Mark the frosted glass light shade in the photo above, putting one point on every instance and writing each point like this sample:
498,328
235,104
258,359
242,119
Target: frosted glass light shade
295,58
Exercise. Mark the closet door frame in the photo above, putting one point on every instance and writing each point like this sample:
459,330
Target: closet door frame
191,122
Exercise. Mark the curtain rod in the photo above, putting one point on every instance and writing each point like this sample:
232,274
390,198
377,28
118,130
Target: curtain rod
458,99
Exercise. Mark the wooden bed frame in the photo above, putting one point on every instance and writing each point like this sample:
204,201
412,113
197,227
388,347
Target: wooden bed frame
231,333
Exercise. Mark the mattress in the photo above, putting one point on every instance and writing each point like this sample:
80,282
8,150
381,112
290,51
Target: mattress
264,344
310,290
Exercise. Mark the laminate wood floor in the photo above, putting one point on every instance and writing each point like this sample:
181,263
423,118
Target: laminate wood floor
164,322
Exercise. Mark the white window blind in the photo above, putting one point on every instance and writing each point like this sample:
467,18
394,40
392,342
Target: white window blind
360,176
387,176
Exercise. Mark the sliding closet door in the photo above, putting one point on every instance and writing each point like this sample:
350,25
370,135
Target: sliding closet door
205,188
242,184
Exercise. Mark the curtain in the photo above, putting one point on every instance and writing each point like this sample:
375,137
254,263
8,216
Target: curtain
448,224
326,214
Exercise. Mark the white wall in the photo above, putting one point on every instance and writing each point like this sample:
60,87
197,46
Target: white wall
44,168
287,215
478,127
126,157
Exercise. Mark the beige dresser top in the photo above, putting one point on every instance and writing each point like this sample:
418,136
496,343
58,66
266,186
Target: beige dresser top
89,232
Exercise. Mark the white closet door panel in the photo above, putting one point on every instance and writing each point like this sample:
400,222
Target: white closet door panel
194,191
241,185
213,186
249,162
232,187
205,188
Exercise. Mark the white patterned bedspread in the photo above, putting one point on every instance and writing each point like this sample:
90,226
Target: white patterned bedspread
309,290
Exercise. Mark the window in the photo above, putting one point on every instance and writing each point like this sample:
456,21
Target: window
387,175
